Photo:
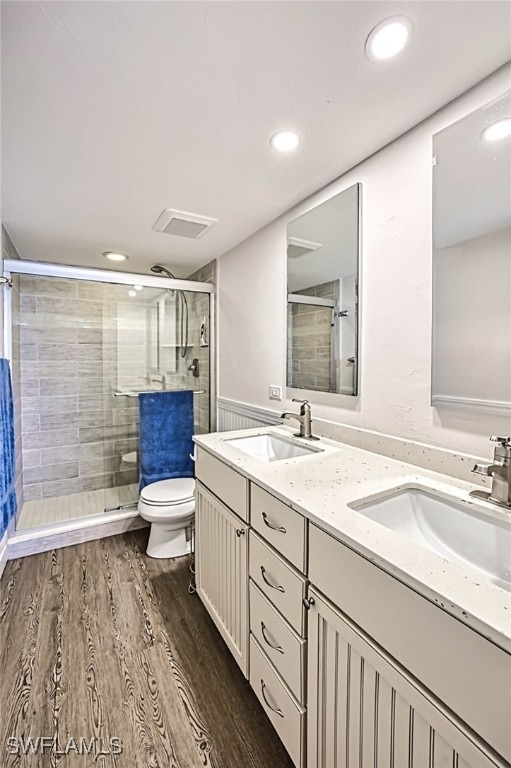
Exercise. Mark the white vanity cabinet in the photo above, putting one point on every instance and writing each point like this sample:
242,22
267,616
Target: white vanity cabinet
364,711
222,570
373,674
393,662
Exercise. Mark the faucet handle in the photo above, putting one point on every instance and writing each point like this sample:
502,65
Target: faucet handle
505,441
304,407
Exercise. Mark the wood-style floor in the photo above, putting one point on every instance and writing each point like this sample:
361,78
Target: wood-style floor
100,642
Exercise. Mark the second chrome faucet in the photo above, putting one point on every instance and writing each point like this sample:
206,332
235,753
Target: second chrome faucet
304,418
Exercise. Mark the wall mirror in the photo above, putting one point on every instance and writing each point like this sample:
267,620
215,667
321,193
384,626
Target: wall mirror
471,356
322,301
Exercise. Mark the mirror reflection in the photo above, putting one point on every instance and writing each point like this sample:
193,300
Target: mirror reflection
471,364
322,308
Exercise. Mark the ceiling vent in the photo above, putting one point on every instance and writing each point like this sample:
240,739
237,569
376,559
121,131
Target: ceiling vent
183,224
297,248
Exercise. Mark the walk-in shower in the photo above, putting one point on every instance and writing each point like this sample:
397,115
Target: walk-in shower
85,343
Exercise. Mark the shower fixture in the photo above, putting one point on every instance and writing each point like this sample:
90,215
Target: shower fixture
183,329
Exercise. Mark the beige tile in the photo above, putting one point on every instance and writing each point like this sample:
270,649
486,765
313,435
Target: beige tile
48,370
58,387
31,458
44,405
90,336
99,466
94,402
28,352
76,485
32,492
50,438
48,472
51,352
47,286
97,418
30,422
76,308
28,304
48,334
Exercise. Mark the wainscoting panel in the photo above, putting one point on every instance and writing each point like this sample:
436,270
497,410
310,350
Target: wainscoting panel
233,416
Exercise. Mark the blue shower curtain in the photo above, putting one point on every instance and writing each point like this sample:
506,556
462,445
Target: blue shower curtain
7,455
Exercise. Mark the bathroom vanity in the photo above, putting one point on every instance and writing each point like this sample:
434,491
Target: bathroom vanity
364,647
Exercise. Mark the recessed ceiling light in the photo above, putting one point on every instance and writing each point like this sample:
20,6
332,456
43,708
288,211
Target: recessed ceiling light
285,141
132,293
498,130
138,287
389,38
113,256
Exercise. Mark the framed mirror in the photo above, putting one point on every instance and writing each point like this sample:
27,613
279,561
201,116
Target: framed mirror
471,354
322,301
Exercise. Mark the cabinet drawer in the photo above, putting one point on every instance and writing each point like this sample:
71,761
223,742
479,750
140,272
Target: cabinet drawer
281,584
226,483
284,648
285,714
279,524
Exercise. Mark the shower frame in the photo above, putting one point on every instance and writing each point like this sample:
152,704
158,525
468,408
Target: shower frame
43,269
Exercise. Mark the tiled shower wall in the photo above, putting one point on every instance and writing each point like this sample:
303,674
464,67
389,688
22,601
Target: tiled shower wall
309,348
74,430
10,252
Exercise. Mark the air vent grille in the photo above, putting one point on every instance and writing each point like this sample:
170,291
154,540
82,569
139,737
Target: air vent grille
297,247
183,224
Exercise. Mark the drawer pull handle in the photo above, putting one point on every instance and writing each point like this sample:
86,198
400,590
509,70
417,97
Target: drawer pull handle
278,648
240,532
266,581
308,602
280,529
278,712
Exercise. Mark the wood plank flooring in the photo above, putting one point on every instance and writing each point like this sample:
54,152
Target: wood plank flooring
100,642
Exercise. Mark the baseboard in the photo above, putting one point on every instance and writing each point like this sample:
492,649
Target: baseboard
3,552
235,415
34,540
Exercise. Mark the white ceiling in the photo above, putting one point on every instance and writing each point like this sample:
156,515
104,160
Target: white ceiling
113,111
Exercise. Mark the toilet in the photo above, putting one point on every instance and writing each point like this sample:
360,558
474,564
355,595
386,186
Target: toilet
169,505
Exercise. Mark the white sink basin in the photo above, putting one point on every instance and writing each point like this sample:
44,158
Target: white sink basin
458,532
270,447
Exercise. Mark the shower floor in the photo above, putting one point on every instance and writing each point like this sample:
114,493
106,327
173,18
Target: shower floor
63,508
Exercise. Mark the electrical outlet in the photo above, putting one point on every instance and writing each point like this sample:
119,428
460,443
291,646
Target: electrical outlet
275,392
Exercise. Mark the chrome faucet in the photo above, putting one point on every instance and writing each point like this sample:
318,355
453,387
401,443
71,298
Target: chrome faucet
156,376
304,417
500,472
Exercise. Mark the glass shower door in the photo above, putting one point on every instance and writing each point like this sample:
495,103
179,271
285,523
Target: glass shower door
85,349
160,342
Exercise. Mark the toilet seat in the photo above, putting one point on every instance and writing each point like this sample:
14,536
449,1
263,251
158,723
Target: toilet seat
169,493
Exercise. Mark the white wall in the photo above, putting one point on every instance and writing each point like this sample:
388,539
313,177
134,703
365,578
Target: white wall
472,325
395,293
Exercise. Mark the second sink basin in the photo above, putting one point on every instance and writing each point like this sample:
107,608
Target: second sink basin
271,447
461,533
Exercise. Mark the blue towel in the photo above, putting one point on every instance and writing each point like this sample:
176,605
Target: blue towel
7,455
166,431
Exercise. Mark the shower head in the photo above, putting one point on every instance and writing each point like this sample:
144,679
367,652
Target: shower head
158,269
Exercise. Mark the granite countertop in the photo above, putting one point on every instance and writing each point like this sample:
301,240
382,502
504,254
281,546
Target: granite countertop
321,486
